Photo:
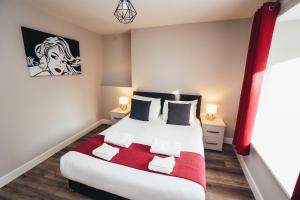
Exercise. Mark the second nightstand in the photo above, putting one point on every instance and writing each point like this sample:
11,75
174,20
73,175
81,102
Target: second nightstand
117,114
213,133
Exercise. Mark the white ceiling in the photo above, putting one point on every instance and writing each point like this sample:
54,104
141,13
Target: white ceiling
97,15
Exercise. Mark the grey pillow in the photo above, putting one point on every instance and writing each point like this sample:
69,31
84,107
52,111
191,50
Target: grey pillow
140,110
179,114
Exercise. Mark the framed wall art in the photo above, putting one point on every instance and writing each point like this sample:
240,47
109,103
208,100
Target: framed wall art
50,55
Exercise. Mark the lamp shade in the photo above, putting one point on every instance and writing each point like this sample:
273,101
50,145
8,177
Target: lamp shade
123,100
211,108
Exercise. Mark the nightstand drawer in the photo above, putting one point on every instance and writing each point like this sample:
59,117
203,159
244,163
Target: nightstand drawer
117,116
213,131
213,143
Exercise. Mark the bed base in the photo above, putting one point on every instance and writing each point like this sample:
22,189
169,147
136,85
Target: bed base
92,192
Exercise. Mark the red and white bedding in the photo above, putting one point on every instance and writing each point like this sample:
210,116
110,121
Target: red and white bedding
131,178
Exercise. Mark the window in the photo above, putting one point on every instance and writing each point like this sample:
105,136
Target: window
276,135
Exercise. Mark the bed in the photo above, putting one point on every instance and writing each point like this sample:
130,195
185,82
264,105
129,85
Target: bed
106,180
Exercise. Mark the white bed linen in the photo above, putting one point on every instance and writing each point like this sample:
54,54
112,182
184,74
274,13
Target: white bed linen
133,183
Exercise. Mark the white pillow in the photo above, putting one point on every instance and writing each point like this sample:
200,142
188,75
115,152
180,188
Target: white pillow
192,112
154,106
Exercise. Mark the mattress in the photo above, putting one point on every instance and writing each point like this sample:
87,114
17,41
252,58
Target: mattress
133,183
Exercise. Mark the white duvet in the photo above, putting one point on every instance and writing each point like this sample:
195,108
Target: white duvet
133,183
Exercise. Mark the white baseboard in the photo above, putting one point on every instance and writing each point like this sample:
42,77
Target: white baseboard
256,192
228,140
107,121
37,160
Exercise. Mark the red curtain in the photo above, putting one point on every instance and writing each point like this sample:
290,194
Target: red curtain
258,51
296,193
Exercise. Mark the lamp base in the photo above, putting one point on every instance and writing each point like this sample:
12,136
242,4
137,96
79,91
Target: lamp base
210,117
123,106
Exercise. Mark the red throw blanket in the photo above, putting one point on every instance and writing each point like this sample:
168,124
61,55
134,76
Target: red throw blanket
190,166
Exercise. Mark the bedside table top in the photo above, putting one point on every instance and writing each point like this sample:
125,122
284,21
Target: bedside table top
216,122
119,110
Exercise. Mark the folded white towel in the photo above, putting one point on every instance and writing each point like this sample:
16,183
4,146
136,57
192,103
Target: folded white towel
163,165
167,148
119,139
105,151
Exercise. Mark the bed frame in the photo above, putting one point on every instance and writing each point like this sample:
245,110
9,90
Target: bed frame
99,194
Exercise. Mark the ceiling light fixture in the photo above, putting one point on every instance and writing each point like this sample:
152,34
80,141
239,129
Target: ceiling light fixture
125,12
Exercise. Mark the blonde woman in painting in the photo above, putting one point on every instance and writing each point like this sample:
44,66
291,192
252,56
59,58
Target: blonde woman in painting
55,58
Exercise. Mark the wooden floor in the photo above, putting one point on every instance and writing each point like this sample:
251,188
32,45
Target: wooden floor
225,178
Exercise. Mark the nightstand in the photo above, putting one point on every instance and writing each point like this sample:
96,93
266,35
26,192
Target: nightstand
213,133
117,114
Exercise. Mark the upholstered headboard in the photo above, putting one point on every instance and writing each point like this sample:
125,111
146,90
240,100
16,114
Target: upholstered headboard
174,97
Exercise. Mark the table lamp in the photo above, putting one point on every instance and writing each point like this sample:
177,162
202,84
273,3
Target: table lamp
123,101
211,110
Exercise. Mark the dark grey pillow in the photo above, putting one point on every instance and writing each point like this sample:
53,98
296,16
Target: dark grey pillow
179,114
140,110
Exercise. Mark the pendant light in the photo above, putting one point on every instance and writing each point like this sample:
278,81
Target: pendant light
125,12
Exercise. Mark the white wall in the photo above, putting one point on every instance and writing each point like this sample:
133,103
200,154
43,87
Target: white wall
117,60
262,182
116,74
110,98
36,113
203,58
